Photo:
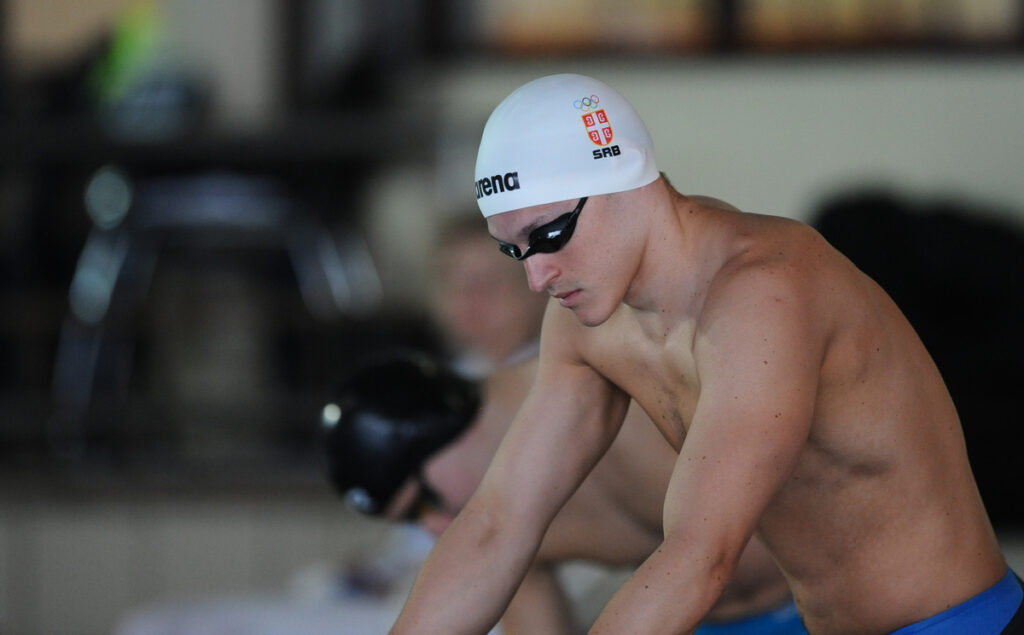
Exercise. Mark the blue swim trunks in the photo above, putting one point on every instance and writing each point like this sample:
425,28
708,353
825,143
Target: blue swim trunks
991,612
780,621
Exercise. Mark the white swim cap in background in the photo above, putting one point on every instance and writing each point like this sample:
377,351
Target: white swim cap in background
557,138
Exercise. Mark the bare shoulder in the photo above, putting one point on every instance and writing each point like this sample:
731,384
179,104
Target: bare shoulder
564,366
708,201
775,267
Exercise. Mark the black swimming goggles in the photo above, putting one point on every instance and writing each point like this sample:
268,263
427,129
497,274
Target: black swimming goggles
548,238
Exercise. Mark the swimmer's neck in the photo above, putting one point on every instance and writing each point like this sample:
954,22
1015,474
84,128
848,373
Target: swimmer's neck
682,253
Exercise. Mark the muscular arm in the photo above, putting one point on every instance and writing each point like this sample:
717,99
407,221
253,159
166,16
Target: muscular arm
758,351
565,425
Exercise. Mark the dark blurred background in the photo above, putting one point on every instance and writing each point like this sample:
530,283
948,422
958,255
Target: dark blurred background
210,208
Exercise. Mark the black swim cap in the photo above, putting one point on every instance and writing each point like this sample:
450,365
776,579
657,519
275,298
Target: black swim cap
387,418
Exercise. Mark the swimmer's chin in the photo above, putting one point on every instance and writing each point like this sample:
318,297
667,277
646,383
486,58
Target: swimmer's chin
574,302
586,319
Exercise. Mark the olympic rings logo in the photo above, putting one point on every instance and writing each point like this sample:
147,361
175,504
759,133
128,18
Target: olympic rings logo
587,103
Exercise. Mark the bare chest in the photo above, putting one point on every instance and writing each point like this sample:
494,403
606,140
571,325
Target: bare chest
659,374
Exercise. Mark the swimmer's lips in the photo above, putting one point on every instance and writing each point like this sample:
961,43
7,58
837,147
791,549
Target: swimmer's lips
566,299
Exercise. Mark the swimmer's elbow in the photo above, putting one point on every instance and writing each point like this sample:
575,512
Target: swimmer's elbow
715,562
721,570
494,525
484,522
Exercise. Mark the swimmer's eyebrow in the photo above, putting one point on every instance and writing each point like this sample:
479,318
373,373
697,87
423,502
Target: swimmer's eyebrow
524,233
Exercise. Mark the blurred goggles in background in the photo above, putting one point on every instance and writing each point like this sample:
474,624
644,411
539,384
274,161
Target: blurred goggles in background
427,500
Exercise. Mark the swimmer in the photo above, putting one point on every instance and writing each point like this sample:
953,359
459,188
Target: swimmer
803,407
441,446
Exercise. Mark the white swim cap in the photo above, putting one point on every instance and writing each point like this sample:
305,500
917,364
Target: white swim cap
557,138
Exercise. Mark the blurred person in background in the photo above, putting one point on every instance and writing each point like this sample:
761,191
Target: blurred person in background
411,443
488,318
482,305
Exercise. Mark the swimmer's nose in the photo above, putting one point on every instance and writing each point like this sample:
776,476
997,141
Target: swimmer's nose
540,271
